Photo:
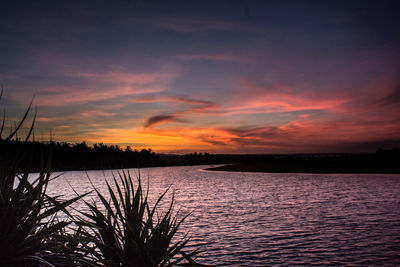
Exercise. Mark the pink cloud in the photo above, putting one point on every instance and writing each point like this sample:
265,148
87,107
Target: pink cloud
126,77
61,95
253,97
103,86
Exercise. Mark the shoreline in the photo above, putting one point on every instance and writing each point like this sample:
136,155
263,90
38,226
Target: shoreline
322,169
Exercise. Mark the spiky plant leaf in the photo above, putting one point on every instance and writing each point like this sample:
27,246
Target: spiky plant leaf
29,228
124,229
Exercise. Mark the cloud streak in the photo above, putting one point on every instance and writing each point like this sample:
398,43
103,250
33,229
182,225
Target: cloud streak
195,106
161,119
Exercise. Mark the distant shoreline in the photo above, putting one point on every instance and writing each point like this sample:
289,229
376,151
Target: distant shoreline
306,168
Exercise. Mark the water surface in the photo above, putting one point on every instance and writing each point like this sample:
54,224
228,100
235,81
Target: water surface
258,219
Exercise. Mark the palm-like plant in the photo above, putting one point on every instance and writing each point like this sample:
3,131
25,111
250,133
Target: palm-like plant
124,233
29,231
120,232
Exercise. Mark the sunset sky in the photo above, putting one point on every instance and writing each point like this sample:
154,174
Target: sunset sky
216,76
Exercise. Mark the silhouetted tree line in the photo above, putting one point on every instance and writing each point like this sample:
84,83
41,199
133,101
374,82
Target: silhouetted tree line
198,158
81,156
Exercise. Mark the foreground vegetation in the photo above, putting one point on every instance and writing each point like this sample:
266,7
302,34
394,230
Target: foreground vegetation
121,229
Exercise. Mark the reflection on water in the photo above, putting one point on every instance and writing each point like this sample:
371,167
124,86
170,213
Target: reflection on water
259,219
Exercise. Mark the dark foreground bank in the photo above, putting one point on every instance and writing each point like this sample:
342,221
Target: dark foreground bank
383,161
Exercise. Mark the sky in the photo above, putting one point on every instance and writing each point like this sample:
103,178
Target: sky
215,76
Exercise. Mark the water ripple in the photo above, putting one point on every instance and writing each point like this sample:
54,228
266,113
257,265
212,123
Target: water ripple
255,219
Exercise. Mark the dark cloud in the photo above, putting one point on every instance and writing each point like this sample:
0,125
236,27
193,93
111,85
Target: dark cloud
256,132
392,98
249,137
212,141
196,103
161,118
196,106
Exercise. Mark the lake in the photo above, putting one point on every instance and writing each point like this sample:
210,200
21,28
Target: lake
258,219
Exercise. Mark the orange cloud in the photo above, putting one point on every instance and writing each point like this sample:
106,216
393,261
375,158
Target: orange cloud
302,135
